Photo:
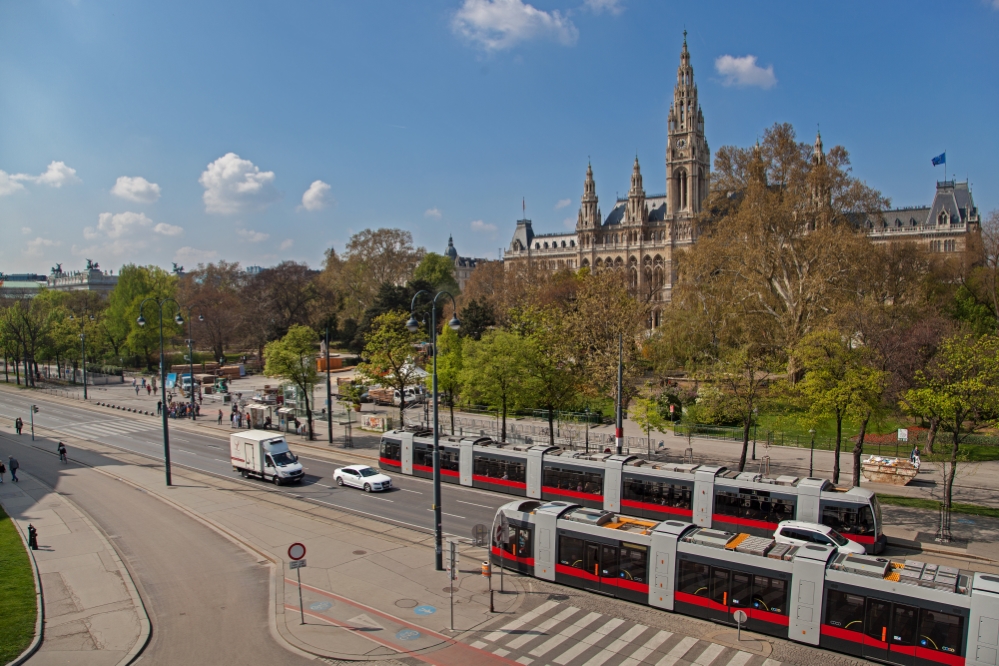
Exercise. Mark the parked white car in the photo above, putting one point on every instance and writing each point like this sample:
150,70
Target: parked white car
798,533
363,477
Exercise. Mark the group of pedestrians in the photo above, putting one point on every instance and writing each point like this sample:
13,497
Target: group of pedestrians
12,465
140,384
179,410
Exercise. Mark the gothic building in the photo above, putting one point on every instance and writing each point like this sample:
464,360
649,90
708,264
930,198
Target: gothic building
641,232
463,266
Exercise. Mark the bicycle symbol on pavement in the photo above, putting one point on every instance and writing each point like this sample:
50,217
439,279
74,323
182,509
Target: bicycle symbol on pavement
321,606
426,609
407,634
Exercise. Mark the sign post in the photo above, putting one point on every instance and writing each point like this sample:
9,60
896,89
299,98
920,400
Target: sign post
296,553
740,617
452,573
34,408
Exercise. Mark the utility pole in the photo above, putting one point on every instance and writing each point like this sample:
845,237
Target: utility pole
329,390
619,431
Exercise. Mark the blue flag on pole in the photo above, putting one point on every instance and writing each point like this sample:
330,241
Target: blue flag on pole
940,159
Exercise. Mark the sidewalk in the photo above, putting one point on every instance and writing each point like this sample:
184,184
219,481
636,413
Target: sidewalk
93,614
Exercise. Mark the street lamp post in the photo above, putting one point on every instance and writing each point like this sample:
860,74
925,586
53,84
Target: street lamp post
83,352
414,326
811,455
329,390
756,412
587,426
142,322
190,355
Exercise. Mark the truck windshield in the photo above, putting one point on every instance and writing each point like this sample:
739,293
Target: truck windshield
283,458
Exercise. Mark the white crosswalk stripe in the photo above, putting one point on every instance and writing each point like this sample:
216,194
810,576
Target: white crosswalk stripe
110,428
565,635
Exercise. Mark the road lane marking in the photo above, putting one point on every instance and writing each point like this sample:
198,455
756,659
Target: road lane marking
381,499
524,619
450,514
405,490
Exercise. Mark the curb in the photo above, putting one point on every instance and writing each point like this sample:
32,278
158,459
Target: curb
40,615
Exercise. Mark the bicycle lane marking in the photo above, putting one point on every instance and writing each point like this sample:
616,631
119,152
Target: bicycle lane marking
454,652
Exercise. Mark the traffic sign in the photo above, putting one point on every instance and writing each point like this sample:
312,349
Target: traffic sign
296,551
296,564
740,616
903,434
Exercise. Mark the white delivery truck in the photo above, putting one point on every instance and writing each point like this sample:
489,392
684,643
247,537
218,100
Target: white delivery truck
264,454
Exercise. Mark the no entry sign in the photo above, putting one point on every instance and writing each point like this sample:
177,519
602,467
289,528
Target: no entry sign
296,551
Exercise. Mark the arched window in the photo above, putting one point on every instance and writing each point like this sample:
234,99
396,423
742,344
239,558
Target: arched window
942,218
572,243
537,246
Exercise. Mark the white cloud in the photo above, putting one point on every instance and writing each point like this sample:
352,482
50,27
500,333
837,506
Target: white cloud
118,248
317,196
168,229
25,230
136,189
495,25
233,185
193,256
252,236
9,184
743,71
436,213
116,225
36,247
479,225
286,244
611,6
562,203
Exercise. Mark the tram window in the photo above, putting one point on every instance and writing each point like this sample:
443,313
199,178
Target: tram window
391,449
497,468
591,558
740,590
634,562
663,493
423,455
845,611
449,460
855,519
719,586
570,552
608,561
754,505
940,631
770,594
694,578
523,543
570,479
903,625
876,621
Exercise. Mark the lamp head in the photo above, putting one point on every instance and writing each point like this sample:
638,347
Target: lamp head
412,324
141,321
179,319
201,317
454,323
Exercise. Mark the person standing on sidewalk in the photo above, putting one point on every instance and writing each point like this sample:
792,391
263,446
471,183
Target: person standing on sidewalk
62,453
220,417
159,407
18,425
3,471
14,465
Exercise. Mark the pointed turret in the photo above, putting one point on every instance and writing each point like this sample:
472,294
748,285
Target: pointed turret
818,156
589,214
687,155
636,197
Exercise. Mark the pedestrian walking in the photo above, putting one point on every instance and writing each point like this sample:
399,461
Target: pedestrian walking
136,387
149,389
133,382
220,417
13,465
3,470
18,425
143,382
62,453
159,407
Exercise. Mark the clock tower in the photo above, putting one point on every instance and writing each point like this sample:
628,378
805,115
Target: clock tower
688,160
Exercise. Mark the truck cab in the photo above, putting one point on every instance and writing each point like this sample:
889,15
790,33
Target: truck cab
266,455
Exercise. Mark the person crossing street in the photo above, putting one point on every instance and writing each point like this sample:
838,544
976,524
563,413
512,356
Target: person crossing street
62,453
18,425
3,470
14,466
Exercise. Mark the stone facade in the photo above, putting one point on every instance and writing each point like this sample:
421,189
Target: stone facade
641,233
943,226
90,279
463,266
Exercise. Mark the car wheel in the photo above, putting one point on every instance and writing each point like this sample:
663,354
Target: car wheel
339,480
243,473
367,487
277,481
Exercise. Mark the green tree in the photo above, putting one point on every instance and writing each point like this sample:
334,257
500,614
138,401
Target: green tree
493,372
476,318
135,284
293,357
389,355
744,373
867,385
449,366
646,411
959,387
438,270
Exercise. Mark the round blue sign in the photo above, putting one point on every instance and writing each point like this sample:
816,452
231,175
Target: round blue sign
321,606
407,634
425,610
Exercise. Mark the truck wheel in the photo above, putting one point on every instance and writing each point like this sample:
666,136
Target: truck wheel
339,481
367,487
243,474
277,481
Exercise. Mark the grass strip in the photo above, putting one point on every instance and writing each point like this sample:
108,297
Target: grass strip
17,593
934,505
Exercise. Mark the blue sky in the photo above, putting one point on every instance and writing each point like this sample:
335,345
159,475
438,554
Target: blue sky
256,132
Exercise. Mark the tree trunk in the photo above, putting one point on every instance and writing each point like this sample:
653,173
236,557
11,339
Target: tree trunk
949,474
859,449
308,410
402,407
839,440
551,426
931,436
450,404
503,429
745,443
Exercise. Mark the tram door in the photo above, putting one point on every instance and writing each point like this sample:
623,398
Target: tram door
877,619
608,569
591,564
890,632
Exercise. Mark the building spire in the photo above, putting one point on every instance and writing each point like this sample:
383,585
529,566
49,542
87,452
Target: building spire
589,214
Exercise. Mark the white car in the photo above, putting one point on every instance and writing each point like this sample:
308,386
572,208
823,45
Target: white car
362,476
798,533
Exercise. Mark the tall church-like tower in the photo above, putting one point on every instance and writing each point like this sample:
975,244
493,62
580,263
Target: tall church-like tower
688,160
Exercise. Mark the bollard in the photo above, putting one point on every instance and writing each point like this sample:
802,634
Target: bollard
32,537
487,571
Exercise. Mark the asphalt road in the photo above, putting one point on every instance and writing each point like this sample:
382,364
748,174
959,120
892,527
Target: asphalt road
409,503
207,598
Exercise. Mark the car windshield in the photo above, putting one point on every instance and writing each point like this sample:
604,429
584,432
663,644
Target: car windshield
838,538
283,458
367,471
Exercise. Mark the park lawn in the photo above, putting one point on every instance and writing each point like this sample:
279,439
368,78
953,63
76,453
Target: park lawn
965,452
17,593
794,423
934,505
